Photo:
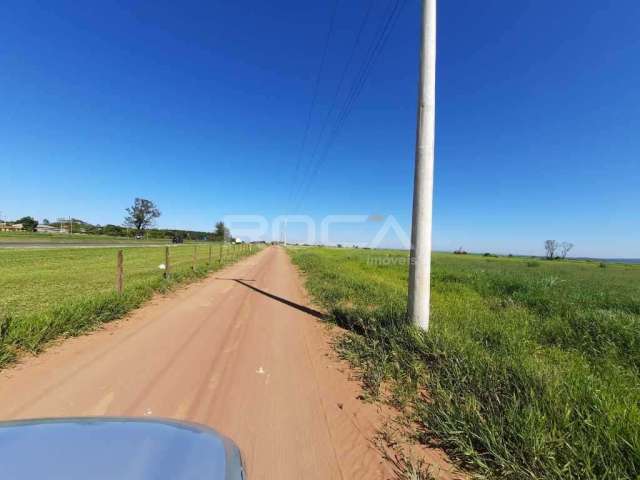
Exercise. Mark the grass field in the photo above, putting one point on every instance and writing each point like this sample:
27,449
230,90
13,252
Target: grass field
46,293
76,238
530,368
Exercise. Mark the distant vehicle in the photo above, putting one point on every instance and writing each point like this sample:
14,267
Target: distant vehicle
101,448
139,237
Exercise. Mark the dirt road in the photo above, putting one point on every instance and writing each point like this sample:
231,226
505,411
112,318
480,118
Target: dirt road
239,351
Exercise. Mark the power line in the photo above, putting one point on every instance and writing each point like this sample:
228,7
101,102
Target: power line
315,93
354,93
299,188
356,89
343,76
301,191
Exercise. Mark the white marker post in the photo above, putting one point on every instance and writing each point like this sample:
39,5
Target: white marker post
420,256
285,231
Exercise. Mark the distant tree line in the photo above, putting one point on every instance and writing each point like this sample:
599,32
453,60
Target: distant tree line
554,250
139,221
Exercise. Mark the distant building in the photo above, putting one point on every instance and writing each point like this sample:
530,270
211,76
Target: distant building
10,227
47,229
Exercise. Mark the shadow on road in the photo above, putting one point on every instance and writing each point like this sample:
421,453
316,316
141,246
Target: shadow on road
236,279
289,303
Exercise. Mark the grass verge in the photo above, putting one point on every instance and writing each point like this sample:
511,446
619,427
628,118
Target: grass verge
526,373
48,294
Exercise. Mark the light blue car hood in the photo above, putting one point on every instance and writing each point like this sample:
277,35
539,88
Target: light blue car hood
115,448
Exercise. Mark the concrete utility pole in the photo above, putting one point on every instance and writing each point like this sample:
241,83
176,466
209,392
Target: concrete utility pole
420,256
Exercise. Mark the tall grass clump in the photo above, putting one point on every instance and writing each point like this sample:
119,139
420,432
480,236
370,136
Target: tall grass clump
526,373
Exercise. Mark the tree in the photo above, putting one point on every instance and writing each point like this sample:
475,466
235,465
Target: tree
141,214
28,223
221,232
113,230
551,246
565,247
45,221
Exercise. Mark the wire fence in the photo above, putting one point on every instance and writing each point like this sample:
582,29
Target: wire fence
36,280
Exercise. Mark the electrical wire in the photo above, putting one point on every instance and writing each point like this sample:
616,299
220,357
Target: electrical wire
356,89
315,93
343,76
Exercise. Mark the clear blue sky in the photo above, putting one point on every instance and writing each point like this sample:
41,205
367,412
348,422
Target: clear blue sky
202,107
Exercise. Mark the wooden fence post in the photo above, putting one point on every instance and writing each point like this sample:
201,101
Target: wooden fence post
119,272
166,262
193,267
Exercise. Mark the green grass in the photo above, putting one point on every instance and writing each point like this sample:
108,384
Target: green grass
33,237
530,368
45,294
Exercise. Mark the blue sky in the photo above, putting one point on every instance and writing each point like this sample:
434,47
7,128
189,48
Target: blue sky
202,107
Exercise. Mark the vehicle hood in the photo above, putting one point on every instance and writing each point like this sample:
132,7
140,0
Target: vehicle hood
115,448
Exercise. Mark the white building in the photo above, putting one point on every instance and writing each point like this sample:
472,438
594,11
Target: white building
10,227
47,229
